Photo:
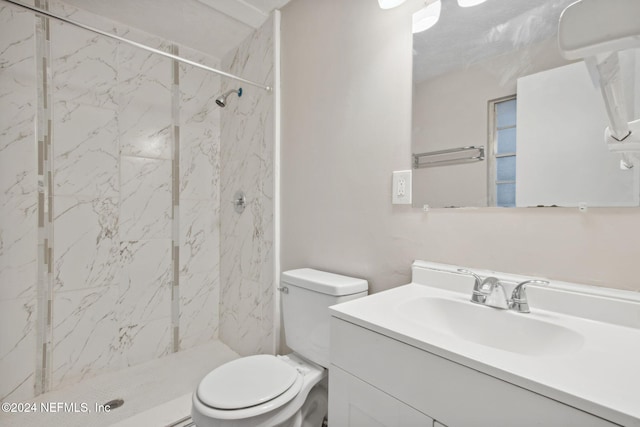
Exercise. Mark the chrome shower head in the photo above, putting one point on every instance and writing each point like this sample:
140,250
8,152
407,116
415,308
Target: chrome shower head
222,99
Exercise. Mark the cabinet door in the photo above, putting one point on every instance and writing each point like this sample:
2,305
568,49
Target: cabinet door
354,403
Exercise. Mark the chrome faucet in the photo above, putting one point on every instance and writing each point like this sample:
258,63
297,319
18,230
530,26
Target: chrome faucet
488,291
477,296
491,292
519,300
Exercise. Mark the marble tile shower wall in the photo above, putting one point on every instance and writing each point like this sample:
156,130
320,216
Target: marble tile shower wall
18,204
247,259
135,164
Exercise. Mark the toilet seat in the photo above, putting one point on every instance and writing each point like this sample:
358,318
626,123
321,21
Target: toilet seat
270,412
249,404
246,382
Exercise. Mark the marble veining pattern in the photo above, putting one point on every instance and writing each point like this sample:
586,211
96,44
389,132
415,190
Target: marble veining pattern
199,202
18,332
144,102
18,176
86,242
128,201
199,271
85,150
123,141
85,326
199,130
84,67
246,293
18,205
145,198
143,305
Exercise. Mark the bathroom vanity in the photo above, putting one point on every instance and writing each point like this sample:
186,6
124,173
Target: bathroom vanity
423,354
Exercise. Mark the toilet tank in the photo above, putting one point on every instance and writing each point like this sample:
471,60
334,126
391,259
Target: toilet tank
306,296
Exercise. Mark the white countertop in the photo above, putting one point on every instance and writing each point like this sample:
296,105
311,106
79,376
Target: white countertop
602,377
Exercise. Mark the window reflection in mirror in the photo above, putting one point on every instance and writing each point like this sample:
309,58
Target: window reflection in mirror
502,149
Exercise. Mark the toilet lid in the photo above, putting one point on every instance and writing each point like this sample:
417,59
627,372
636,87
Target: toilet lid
246,382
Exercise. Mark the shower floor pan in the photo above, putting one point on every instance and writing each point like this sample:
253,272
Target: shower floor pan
155,393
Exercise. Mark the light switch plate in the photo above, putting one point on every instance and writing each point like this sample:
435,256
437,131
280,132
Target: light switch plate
401,189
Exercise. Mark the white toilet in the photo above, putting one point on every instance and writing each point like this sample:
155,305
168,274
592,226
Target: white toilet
291,390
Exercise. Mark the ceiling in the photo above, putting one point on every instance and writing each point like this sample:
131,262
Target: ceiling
211,26
464,36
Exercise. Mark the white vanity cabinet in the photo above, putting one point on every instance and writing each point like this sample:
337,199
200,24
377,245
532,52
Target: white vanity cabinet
380,381
357,404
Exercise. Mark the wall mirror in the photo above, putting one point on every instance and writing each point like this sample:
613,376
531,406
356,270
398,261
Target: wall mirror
501,119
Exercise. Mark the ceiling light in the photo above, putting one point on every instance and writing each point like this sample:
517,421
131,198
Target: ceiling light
426,17
389,4
469,3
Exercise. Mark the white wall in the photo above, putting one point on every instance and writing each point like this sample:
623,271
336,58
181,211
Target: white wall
346,98
346,108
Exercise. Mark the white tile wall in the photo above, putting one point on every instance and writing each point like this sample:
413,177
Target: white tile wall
85,327
86,150
86,246
114,225
17,75
145,198
199,271
246,315
17,348
18,174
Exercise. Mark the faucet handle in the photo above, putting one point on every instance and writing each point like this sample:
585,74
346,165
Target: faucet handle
519,301
471,273
479,295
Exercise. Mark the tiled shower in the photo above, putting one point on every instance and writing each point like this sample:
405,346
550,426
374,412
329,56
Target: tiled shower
119,243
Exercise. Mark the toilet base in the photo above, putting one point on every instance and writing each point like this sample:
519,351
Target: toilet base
314,410
316,407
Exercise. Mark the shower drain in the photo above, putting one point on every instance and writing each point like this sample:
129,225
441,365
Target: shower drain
113,404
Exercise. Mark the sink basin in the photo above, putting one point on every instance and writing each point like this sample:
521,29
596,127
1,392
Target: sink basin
501,329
